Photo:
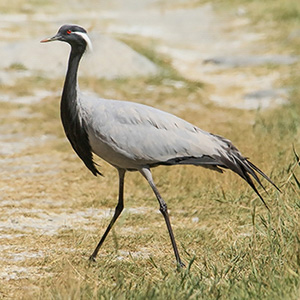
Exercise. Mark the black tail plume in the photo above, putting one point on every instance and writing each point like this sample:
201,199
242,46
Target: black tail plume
230,157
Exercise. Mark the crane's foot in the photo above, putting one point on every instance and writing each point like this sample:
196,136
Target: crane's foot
92,259
180,265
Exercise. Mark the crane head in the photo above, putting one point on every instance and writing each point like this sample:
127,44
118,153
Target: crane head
74,35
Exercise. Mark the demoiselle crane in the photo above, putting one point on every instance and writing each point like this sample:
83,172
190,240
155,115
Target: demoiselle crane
135,137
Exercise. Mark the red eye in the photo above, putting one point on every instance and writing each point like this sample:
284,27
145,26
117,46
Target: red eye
69,31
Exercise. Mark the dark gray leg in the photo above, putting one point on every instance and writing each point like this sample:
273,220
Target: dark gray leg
164,210
117,213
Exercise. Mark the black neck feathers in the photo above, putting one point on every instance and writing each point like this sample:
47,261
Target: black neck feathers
74,126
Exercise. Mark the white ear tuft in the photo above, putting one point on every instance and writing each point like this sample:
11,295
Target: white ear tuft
86,38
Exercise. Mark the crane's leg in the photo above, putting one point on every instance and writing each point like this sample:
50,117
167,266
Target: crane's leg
117,213
164,210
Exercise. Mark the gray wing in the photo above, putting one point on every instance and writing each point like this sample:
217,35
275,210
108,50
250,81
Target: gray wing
147,135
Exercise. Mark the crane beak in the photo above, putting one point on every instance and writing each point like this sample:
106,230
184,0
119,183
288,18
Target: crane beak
51,39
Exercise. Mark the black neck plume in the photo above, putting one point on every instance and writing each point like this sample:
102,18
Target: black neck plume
74,126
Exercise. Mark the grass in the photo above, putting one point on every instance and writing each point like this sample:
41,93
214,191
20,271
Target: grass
53,211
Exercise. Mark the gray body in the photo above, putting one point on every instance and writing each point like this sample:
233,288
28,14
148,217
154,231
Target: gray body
133,136
136,137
